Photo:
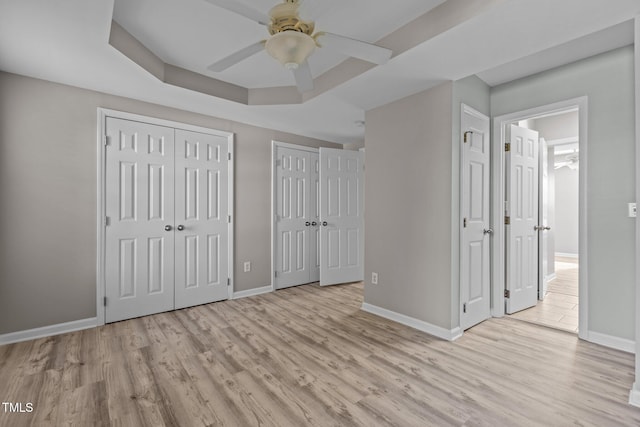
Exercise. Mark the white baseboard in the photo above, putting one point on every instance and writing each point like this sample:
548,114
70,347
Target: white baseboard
47,331
634,395
251,292
550,277
610,341
420,325
566,255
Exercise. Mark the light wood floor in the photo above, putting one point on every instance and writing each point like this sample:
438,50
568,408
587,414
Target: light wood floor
559,309
308,356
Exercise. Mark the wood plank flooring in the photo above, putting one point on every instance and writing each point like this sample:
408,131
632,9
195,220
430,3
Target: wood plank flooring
559,309
308,356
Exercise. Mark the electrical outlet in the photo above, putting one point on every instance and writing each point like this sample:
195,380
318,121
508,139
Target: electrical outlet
374,278
247,266
633,211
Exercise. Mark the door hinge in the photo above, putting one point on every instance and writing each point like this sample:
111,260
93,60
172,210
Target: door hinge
107,221
507,220
507,146
104,301
106,140
229,219
229,156
228,281
507,293
464,307
464,222
465,136
275,274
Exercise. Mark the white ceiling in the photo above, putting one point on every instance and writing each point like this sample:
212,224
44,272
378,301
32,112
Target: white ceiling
67,42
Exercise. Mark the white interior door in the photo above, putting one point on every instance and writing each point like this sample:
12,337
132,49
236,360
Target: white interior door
341,216
294,216
139,265
543,256
314,216
475,255
201,218
522,210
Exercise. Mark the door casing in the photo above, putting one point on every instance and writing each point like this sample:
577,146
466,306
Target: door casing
497,204
102,114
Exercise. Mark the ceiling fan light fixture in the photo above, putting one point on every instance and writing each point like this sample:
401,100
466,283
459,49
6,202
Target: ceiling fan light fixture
290,48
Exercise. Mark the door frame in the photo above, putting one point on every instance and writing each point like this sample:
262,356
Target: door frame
274,192
498,193
101,158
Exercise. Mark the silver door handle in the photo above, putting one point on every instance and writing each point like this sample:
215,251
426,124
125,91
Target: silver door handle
314,223
546,227
180,227
307,223
325,223
167,228
488,231
538,227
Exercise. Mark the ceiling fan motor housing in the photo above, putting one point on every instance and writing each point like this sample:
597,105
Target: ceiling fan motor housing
290,42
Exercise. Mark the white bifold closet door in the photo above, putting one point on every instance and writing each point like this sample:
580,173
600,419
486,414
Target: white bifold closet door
341,216
318,208
201,263
166,206
297,217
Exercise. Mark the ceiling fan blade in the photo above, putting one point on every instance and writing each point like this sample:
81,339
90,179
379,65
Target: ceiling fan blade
243,10
355,48
236,57
303,77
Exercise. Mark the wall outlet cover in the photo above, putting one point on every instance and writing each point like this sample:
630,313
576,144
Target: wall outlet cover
247,266
374,278
633,211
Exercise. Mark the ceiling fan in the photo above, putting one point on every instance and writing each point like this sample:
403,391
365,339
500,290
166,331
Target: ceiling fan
292,40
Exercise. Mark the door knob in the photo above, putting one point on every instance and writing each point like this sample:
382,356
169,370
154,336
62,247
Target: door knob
538,227
488,231
314,223
180,227
167,228
325,223
546,227
307,223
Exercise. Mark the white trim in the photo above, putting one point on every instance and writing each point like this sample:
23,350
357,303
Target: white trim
567,255
103,113
47,331
634,395
274,191
252,292
610,341
497,204
550,277
231,213
562,141
445,334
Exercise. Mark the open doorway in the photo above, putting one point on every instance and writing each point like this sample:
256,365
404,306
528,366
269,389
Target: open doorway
539,250
558,290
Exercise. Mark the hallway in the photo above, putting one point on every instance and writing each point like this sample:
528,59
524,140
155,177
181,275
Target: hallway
559,309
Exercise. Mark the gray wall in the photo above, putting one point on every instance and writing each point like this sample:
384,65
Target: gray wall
566,212
608,81
408,206
412,201
48,198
